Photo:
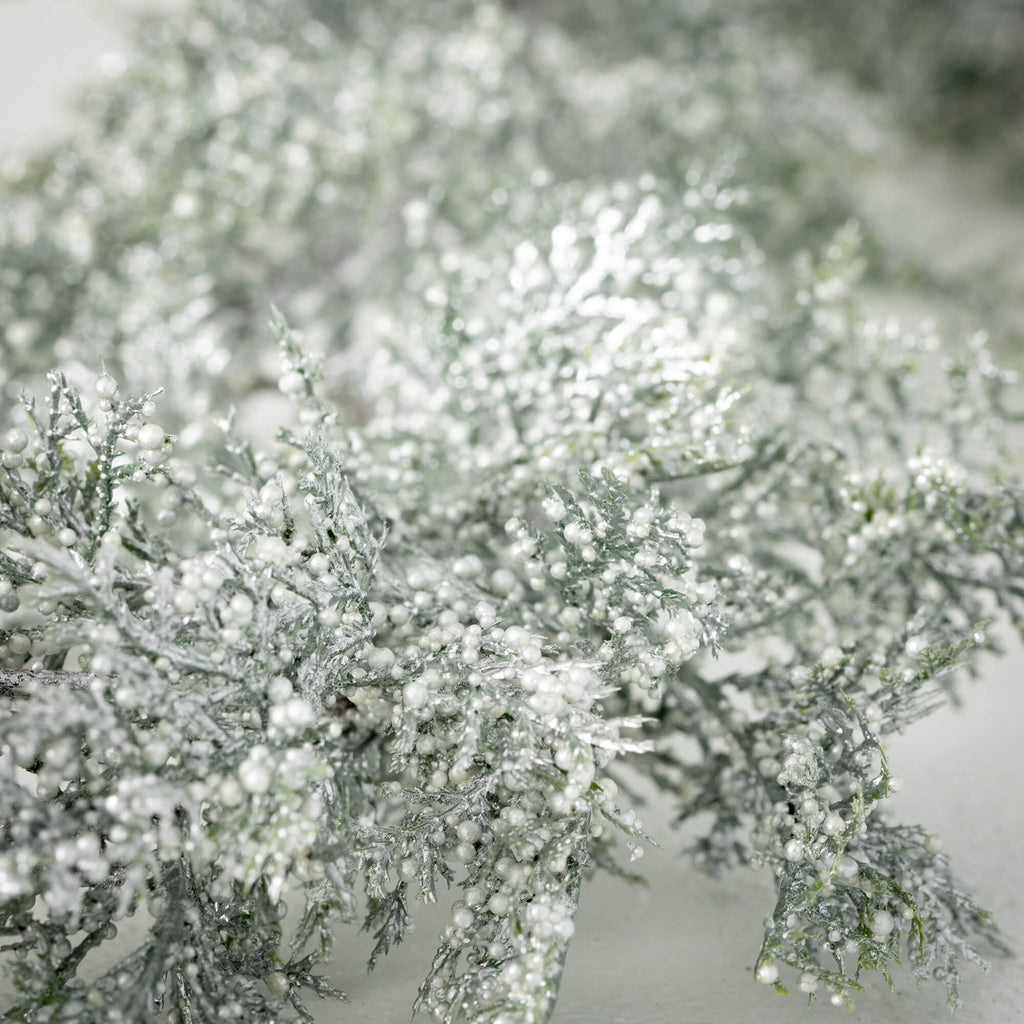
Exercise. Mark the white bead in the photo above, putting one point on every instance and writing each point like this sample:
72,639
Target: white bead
570,616
15,441
318,564
106,386
554,510
381,658
916,644
329,616
279,689
151,436
881,924
793,850
192,582
516,637
468,831
833,824
462,917
767,973
933,844
498,904
298,712
502,582
468,566
19,644
399,614
230,793
241,607
831,657
254,777
415,694
156,752
847,867
277,982
512,970
292,384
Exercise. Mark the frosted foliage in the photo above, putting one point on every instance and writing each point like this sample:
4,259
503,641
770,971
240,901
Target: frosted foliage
253,152
572,477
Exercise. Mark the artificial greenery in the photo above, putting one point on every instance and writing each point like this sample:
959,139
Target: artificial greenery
579,475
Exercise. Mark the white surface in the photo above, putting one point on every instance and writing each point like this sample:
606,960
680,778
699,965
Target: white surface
47,49
681,951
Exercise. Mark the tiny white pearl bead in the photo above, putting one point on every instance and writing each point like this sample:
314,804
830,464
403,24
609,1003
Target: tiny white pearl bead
230,793
279,689
15,441
277,982
381,658
156,752
462,917
502,582
254,777
151,436
793,850
415,694
241,607
831,657
881,924
498,904
847,867
833,824
468,831
292,383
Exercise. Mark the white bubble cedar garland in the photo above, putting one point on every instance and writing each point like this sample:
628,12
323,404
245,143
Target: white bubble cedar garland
594,488
274,686
304,153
